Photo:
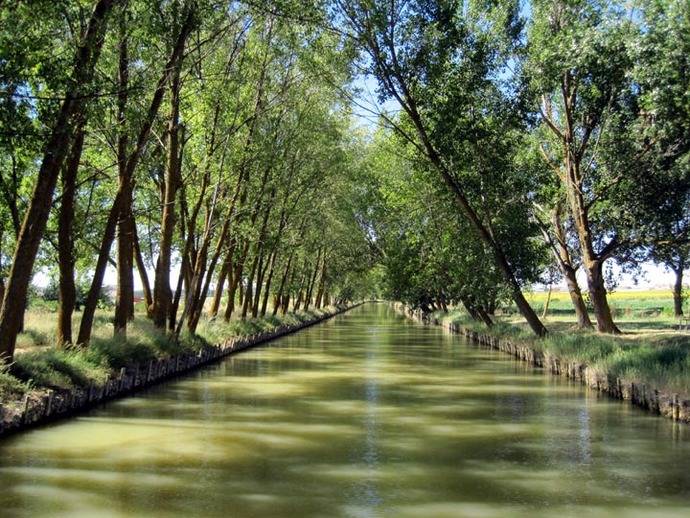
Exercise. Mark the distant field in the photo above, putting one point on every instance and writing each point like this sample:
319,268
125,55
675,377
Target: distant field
622,302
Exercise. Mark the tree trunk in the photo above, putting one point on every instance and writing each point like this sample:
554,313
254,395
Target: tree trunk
484,316
67,290
581,312
312,282
220,282
322,285
593,266
2,277
564,260
261,272
97,282
592,262
235,281
300,294
499,256
678,289
281,288
286,297
162,294
193,293
269,280
109,233
469,307
248,291
300,290
141,267
202,293
573,182
55,151
181,279
597,294
548,301
125,249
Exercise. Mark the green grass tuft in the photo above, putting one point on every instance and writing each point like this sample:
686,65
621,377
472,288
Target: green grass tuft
118,352
10,386
584,347
59,369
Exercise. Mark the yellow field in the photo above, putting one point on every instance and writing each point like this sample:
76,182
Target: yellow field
623,295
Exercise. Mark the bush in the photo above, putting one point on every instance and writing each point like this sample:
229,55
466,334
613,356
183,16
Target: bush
59,369
584,347
51,291
117,352
661,367
11,387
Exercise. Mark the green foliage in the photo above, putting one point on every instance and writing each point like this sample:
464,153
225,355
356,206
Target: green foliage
117,353
59,369
11,387
449,202
214,331
429,252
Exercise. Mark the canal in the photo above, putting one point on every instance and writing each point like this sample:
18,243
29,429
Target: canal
367,414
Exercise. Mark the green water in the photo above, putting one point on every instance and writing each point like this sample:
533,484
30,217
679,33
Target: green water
367,414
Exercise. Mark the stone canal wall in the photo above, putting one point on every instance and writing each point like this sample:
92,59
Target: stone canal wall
52,405
669,405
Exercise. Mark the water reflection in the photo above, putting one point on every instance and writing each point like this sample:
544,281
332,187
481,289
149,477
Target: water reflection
365,415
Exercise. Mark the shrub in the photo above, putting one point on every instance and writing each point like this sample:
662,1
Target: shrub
584,347
662,367
11,387
117,352
59,369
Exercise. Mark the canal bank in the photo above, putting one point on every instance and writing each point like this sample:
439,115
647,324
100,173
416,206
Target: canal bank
669,405
42,407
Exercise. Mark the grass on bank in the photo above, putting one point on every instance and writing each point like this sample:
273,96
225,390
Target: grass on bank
39,364
648,351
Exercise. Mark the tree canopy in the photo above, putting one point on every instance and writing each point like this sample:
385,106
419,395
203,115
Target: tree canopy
209,153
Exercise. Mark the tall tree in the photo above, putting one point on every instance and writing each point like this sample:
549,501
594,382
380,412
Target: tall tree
420,52
54,154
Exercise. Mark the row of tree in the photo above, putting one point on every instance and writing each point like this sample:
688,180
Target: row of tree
202,136
551,134
214,138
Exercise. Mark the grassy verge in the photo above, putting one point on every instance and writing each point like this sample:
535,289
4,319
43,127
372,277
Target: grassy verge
40,365
644,353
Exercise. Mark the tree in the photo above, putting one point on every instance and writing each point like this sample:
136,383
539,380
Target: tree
54,155
592,107
436,63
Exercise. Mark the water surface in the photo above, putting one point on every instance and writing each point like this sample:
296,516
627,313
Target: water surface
367,414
